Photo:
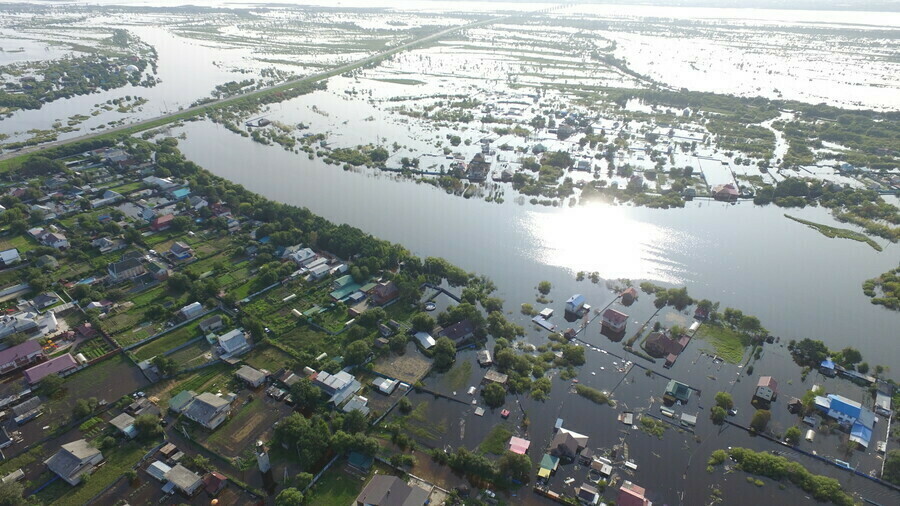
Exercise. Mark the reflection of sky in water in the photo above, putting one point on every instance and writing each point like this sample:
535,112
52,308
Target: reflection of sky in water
607,240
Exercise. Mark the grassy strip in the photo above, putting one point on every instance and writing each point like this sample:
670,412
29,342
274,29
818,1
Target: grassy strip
822,488
841,233
594,395
170,340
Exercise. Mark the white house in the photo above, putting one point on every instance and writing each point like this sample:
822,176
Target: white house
766,388
302,257
233,343
10,257
74,460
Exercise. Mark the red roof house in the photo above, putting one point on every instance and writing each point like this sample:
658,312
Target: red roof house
20,355
614,320
162,222
631,495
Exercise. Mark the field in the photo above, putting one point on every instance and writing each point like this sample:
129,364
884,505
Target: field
197,353
409,367
267,357
337,487
726,343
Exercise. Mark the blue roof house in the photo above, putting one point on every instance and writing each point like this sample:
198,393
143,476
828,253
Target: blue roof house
850,414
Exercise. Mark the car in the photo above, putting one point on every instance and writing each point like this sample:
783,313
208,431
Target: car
732,412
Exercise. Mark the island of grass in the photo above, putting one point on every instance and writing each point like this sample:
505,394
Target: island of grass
727,343
889,286
594,395
841,233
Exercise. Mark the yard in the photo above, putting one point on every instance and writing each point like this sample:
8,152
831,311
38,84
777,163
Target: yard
96,347
410,367
195,354
171,339
247,425
337,487
267,357
726,343
21,242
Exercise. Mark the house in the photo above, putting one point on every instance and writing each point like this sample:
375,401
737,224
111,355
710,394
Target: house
161,223
55,365
518,445
357,403
493,376
766,389
127,268
125,423
827,368
629,295
159,271
74,460
185,480
882,403
575,303
478,168
583,165
163,183
318,272
385,331
725,192
459,331
302,257
9,257
180,400
142,406
385,292
851,415
385,385
209,410
252,377
614,320
107,245
659,344
192,310
233,343
158,470
549,465
214,482
21,355
677,392
181,193
565,445
484,358
197,202
338,387
385,490
181,251
632,495
425,339
211,324
55,240
587,494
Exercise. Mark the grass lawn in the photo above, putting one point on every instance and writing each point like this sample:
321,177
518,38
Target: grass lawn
191,356
207,380
170,340
335,488
267,357
20,242
457,377
128,188
726,343
496,440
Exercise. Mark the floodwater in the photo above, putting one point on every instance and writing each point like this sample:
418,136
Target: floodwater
798,282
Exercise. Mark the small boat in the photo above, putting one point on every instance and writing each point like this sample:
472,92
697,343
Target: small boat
505,413
471,390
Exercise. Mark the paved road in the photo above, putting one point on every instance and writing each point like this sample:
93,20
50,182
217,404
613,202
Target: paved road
310,78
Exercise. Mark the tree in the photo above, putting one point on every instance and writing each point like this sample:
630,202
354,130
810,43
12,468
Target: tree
892,467
849,357
422,322
41,165
717,415
165,365
51,385
724,400
792,435
305,394
355,422
12,494
494,395
357,352
544,287
372,317
515,466
148,426
289,497
197,462
444,353
398,342
307,438
760,420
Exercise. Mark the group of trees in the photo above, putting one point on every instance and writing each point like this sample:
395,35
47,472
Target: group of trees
510,467
310,439
724,403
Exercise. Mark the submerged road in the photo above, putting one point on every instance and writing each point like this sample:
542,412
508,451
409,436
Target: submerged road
173,116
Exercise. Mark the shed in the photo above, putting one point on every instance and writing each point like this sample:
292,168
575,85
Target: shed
519,445
158,470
